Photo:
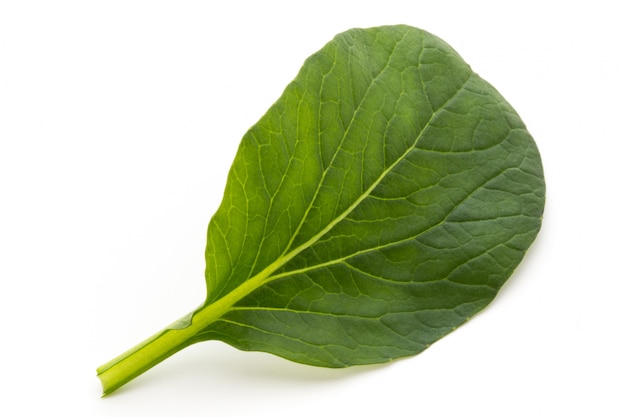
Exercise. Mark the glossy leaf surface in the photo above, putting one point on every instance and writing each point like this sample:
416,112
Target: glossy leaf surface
384,199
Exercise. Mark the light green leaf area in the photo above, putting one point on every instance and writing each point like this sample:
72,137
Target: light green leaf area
381,202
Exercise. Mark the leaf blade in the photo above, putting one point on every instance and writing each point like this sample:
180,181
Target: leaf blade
372,200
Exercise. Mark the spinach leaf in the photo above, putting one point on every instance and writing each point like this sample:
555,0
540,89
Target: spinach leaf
380,203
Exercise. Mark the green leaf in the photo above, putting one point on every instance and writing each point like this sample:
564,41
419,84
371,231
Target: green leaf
380,203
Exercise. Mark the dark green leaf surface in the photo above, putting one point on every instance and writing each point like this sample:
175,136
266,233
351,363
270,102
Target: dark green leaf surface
380,202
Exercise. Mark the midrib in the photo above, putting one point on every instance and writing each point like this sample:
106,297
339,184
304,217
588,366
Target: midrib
207,314
265,276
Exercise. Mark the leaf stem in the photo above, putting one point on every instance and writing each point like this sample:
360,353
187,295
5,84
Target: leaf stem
137,360
142,357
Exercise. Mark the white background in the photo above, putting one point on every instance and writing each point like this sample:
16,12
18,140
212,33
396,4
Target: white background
118,123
